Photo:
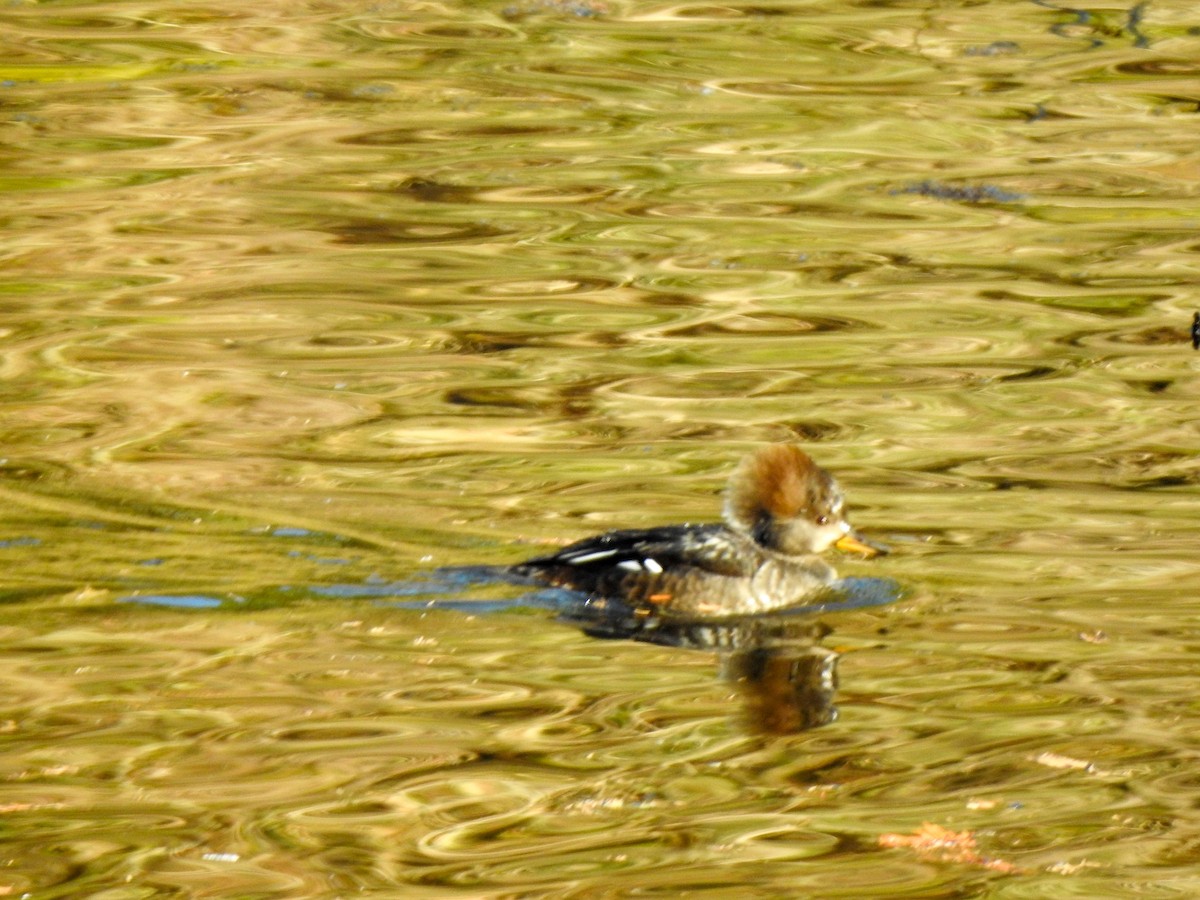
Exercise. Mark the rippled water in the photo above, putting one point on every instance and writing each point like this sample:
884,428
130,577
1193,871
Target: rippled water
299,303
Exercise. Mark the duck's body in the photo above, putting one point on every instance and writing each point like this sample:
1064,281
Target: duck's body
781,510
687,570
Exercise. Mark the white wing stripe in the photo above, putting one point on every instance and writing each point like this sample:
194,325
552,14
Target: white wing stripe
589,557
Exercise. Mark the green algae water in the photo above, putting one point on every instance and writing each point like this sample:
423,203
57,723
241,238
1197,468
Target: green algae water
298,303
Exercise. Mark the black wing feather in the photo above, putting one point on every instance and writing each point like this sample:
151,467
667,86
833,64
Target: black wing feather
667,548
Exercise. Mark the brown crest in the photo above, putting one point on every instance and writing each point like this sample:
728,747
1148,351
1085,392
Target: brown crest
778,482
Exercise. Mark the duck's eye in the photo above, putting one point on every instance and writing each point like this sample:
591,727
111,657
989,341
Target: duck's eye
822,520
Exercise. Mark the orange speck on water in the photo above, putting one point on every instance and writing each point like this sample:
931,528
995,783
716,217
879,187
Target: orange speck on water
932,841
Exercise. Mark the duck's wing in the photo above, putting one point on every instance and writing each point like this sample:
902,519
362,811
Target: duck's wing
608,563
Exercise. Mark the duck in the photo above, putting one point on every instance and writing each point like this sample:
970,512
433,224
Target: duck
781,511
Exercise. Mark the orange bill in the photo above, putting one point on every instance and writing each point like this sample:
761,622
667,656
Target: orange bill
853,541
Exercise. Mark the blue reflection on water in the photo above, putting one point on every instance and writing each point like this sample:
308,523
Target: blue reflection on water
846,593
179,601
445,588
20,542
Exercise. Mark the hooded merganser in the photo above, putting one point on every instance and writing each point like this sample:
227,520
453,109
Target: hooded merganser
781,509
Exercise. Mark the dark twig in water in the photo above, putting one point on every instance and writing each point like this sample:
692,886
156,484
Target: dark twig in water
995,48
1131,25
1133,19
973,193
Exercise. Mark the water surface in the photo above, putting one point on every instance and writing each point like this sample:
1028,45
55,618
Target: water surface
299,300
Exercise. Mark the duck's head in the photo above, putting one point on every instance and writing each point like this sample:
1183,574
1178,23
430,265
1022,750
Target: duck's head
786,503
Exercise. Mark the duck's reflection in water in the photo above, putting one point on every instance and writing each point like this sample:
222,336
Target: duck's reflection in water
788,686
787,678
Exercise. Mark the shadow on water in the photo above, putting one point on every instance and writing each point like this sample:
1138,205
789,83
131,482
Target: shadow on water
787,679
